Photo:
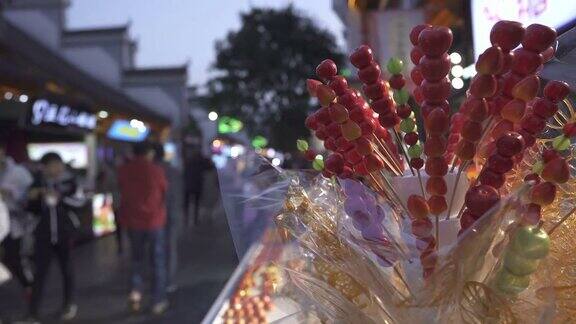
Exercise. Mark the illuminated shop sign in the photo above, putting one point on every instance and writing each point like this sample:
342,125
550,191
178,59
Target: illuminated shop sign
485,13
45,112
130,131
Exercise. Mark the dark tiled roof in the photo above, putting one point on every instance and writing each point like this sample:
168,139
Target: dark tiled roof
97,31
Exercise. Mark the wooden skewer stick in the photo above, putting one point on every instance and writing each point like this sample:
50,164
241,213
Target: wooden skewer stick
391,188
453,163
399,140
397,271
562,220
421,184
387,161
385,155
386,150
437,221
458,175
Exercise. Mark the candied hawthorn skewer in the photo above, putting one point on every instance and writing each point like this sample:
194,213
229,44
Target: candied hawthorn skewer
434,66
475,119
530,243
510,144
408,123
421,227
534,121
403,110
343,129
521,83
377,91
484,194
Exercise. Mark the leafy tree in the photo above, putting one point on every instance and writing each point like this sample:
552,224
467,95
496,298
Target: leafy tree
262,70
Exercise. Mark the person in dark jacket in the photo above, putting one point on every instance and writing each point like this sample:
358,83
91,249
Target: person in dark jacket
143,188
53,198
195,170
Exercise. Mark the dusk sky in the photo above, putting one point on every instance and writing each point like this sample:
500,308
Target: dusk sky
173,32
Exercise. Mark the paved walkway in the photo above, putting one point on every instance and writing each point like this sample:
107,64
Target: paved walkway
207,259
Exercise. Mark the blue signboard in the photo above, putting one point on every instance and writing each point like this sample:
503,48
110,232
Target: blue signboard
130,131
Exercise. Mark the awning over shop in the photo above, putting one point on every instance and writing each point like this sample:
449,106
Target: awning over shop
24,61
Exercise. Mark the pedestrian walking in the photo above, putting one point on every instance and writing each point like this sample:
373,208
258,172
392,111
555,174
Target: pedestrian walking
143,188
54,197
195,172
173,215
14,183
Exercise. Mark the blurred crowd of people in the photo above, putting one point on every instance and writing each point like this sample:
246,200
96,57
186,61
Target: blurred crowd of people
44,203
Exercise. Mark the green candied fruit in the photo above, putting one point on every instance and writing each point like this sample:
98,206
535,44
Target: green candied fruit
415,151
302,145
519,265
531,242
318,164
561,143
511,284
407,125
395,65
401,96
538,167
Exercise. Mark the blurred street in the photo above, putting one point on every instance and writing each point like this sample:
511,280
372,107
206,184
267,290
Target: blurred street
207,259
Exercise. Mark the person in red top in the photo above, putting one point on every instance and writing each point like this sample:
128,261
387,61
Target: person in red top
143,188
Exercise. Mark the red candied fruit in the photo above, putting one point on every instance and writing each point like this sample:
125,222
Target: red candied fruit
415,32
531,214
533,124
467,219
422,227
483,86
435,146
339,85
436,166
326,69
437,122
500,164
383,105
403,111
506,34
397,81
466,150
434,68
370,73
479,199
471,131
334,163
411,138
436,186
477,109
491,178
437,204
362,57
529,139
375,90
435,41
543,193
544,108
538,38
525,62
555,90
436,91
417,207
510,144
417,163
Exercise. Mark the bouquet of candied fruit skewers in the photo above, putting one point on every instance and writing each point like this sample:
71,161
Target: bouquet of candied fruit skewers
468,219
